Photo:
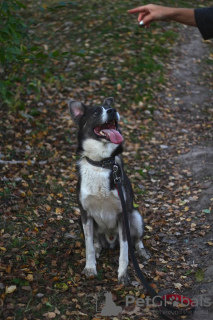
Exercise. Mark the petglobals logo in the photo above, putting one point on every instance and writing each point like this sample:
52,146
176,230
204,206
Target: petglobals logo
105,306
171,299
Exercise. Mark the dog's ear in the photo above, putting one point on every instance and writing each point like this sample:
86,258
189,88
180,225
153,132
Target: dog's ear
77,109
108,101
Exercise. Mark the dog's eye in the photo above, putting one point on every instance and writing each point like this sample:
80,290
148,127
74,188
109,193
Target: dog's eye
97,111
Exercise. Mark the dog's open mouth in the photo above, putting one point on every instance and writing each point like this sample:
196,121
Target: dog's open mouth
108,130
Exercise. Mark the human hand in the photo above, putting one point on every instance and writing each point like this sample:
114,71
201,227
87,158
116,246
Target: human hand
150,13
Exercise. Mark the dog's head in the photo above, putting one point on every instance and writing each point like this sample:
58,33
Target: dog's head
98,128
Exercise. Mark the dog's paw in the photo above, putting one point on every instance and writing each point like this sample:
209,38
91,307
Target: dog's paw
89,272
97,253
144,253
125,280
98,250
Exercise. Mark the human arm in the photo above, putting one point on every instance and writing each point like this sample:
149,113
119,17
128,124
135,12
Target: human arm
204,20
151,12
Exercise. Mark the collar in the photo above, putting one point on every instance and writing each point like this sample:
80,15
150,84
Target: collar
107,163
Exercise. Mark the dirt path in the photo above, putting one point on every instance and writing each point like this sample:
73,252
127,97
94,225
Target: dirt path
192,100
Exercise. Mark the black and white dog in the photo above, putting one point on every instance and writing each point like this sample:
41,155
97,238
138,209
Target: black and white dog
99,146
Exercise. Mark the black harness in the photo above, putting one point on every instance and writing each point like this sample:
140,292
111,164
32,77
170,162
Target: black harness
107,163
166,310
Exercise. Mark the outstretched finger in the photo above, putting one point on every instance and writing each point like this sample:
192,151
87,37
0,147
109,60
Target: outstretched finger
136,10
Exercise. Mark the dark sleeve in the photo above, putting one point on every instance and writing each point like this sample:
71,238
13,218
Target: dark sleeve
204,20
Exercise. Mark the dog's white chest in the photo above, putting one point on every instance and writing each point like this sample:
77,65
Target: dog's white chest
96,197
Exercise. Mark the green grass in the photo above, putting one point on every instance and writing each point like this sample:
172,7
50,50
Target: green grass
110,43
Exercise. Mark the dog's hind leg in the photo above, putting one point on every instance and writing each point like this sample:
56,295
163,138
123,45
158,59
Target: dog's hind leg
98,249
97,246
90,268
141,250
123,277
98,243
136,228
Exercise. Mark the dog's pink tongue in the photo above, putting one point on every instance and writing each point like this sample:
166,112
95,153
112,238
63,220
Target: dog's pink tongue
114,135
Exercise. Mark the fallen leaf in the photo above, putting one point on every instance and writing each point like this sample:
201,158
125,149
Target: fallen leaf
178,285
50,315
29,277
206,211
149,228
10,289
199,275
62,286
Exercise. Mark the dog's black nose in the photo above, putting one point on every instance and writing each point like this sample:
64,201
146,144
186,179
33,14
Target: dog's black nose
111,111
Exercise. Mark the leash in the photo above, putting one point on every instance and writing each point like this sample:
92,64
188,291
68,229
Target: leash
165,310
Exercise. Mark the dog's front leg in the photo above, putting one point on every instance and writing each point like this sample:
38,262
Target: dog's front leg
90,268
123,277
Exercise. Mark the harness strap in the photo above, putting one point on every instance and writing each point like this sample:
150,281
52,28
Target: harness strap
107,163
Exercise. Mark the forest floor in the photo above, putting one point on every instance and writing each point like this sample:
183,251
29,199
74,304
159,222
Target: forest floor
165,101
